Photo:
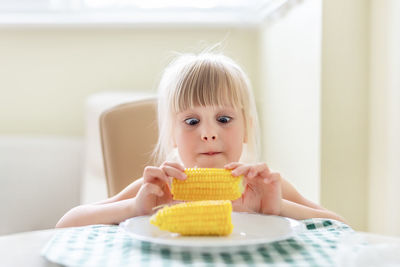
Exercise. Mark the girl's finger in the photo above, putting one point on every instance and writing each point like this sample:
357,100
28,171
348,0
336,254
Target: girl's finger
232,165
262,169
151,189
252,172
173,172
242,170
273,177
237,205
151,174
174,165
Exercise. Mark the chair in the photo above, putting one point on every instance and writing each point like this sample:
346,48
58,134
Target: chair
128,134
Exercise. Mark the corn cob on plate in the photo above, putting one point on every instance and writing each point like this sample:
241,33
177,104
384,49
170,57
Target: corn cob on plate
211,217
249,229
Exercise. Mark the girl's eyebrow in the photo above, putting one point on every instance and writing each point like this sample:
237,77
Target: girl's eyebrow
187,114
227,110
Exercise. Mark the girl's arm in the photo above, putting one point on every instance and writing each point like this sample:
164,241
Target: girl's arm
138,198
300,212
290,193
294,205
268,193
110,211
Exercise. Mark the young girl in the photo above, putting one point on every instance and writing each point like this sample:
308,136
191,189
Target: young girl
207,118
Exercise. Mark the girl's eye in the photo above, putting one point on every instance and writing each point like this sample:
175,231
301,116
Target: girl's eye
224,119
192,121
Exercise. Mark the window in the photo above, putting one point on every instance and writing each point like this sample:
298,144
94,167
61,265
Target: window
136,12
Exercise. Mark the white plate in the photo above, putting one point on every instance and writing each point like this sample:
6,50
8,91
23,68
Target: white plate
248,229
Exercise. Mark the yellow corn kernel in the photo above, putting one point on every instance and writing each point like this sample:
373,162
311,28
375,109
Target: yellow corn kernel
212,217
207,184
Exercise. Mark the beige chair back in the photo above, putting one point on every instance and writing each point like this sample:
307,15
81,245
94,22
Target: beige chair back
128,135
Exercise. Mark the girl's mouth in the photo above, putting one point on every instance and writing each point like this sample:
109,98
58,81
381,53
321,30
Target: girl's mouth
211,153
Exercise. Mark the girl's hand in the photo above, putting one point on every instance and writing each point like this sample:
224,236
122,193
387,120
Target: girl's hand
262,191
155,189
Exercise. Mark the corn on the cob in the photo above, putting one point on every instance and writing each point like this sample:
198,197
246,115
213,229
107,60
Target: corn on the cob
207,184
211,217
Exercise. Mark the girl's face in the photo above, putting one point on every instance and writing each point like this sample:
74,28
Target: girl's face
209,136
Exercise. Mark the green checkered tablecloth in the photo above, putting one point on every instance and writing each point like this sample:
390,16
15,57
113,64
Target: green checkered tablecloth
107,245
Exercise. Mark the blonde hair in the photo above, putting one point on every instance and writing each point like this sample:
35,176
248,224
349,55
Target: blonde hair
204,79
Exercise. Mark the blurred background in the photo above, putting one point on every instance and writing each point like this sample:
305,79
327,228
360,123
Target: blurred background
325,75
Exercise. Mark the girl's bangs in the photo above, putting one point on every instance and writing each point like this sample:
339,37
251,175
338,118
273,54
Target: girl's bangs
208,86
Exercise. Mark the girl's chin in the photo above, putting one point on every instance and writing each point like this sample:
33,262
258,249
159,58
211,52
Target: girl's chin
210,164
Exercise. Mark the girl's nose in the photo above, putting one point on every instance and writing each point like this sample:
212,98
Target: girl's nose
208,132
209,137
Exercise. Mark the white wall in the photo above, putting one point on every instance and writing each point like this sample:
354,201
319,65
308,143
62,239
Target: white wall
39,180
46,74
290,78
344,109
315,110
384,106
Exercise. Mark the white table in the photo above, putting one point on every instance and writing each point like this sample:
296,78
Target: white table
23,249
